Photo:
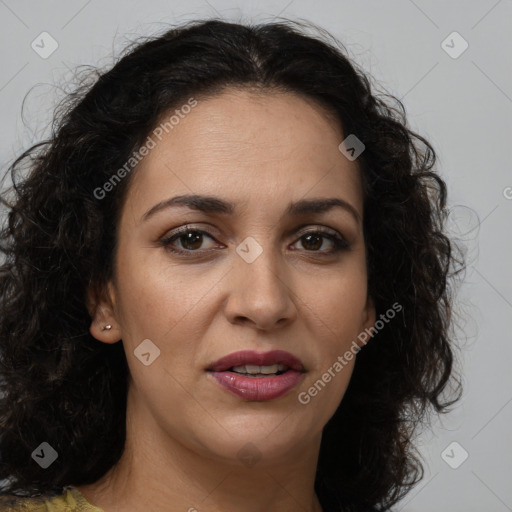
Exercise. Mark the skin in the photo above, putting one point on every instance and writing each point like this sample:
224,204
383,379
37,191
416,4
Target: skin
261,152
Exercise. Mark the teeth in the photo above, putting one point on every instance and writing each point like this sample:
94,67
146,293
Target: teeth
253,369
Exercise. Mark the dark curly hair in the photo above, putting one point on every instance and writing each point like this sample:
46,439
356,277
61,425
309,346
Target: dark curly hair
60,385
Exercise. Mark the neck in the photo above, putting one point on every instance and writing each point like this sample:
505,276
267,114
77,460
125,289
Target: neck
156,472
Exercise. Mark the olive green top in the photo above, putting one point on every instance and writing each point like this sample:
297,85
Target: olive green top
71,500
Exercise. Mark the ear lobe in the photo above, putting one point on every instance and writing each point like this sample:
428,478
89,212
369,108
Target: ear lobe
102,311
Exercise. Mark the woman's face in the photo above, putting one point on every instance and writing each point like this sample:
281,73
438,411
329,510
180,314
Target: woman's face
247,277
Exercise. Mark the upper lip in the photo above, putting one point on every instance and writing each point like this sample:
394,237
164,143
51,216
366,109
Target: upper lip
257,358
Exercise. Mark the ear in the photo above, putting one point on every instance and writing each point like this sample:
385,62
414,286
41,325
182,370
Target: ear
101,307
367,323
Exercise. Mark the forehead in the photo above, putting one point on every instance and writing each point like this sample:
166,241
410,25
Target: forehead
241,145
264,124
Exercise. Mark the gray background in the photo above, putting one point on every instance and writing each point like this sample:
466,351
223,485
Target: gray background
462,105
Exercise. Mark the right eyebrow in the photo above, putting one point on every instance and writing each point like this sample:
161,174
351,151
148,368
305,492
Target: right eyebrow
206,204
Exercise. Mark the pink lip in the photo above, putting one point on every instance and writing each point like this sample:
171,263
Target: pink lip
257,388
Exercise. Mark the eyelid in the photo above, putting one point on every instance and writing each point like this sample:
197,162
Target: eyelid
296,230
315,228
185,228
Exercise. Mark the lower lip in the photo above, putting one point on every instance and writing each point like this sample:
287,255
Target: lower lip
257,388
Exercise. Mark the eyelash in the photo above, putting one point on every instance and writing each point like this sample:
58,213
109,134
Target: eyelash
340,243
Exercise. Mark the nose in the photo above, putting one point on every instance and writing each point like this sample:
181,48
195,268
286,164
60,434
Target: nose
259,294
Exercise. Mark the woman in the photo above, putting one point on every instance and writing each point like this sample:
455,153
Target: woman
226,286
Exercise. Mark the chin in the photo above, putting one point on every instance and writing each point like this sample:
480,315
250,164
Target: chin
269,439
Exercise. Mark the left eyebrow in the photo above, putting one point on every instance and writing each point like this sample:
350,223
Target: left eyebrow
308,206
211,204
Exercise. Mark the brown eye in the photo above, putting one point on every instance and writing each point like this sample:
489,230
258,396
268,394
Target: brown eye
312,241
190,240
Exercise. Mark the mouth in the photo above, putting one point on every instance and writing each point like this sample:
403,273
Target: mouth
257,376
255,371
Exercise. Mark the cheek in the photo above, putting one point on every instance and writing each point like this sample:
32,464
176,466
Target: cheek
154,296
159,304
336,310
336,303
171,305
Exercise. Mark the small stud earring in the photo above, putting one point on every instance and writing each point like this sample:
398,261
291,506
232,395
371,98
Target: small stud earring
107,327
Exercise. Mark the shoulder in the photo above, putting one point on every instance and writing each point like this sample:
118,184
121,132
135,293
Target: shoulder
71,500
11,503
